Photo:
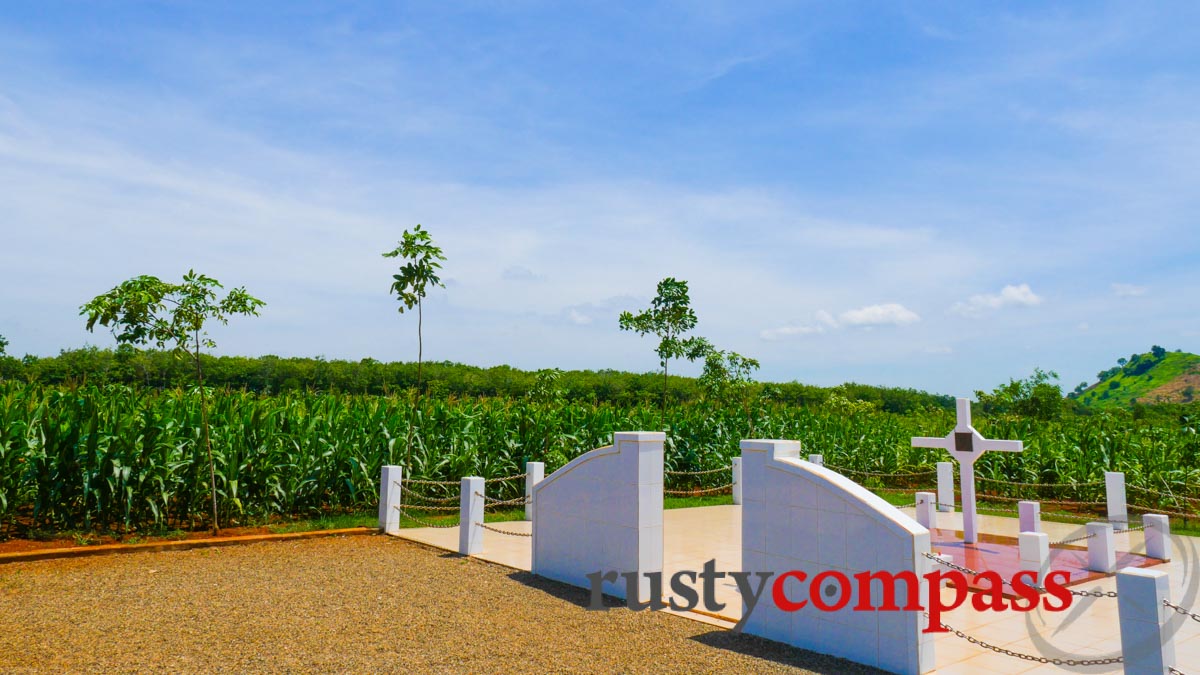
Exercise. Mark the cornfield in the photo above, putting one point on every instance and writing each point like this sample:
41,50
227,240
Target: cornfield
122,458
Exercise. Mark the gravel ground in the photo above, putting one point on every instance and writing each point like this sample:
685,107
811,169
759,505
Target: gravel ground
347,604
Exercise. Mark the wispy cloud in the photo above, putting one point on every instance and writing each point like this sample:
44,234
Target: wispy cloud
1128,290
891,313
1009,296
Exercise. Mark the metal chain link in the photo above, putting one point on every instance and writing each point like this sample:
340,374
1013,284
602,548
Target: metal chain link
1180,610
1094,594
491,501
1072,540
489,528
1135,528
414,481
426,523
947,563
839,469
1030,657
904,506
698,473
504,478
985,496
1040,485
699,492
418,495
1174,671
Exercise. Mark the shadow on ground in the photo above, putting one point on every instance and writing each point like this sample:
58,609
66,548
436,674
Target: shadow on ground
749,645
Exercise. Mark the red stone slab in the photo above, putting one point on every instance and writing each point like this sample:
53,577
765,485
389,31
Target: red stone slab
1002,554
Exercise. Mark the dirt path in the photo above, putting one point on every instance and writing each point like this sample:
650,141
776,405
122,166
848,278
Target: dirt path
354,604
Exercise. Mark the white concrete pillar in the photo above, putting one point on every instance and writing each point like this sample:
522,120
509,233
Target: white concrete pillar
390,478
534,473
817,459
1102,551
470,514
1114,488
945,487
927,510
1030,514
737,480
970,520
1157,529
1035,554
1145,642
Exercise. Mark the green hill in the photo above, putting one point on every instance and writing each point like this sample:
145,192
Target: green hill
1158,376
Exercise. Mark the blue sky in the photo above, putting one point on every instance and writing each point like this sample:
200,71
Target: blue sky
935,195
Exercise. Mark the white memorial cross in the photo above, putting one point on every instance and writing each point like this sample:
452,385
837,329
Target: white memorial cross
966,445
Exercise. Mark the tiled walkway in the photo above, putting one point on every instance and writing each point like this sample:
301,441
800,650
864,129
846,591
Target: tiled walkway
1088,630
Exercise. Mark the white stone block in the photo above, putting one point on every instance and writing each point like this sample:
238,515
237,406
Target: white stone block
737,480
927,510
1102,551
1035,554
1114,488
817,459
945,486
470,514
1157,529
390,491
534,473
1030,515
799,515
1145,644
602,511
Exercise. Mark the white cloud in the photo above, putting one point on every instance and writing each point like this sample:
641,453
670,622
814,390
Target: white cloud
938,350
1009,296
1128,290
578,318
878,315
871,315
783,332
1083,326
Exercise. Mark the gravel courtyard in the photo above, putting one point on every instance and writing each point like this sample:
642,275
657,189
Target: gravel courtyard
346,604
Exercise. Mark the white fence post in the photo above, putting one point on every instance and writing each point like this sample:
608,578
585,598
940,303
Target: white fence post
1035,554
470,515
945,488
1114,488
817,459
390,478
926,510
1157,529
1145,644
1030,514
737,480
534,473
1102,552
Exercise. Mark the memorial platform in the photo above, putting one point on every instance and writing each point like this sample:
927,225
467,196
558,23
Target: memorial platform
1089,629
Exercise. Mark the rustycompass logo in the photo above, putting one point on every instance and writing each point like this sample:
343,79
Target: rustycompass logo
832,591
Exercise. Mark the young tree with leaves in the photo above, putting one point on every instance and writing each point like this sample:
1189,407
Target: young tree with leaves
146,310
422,260
728,377
3,345
669,317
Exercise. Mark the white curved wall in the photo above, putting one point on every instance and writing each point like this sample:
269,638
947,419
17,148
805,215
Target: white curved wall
801,516
603,511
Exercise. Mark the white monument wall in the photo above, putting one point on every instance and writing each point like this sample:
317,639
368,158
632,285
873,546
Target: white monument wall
800,516
603,511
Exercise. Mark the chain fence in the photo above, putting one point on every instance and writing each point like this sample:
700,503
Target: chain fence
698,491
1030,657
510,533
699,473
422,521
1181,610
491,501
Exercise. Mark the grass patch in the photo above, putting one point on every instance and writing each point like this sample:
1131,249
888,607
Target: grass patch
340,521
671,502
